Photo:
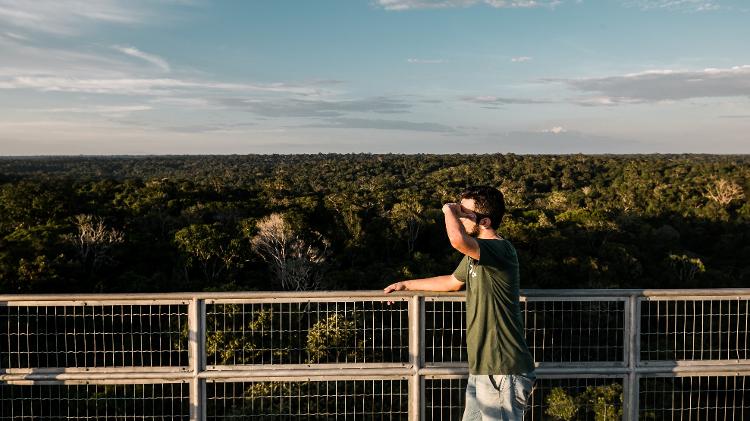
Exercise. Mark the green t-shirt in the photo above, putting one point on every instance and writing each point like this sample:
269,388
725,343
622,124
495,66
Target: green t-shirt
494,326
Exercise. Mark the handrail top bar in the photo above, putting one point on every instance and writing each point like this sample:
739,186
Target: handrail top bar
369,294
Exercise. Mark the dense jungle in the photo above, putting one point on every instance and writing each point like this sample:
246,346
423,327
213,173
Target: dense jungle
362,221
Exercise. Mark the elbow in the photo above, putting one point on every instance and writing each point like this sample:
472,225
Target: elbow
459,244
456,240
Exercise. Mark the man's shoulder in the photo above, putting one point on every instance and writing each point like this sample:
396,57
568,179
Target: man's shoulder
498,250
496,243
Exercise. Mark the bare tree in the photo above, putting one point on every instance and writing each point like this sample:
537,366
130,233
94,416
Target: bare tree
724,191
295,263
94,240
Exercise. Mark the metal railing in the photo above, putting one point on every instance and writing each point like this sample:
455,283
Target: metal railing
601,354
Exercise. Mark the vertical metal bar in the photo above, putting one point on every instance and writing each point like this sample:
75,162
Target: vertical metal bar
632,325
197,357
628,326
416,343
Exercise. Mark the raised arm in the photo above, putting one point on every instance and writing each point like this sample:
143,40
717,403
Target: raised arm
459,238
438,283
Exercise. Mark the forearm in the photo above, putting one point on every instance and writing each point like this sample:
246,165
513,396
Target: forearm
459,238
438,283
455,229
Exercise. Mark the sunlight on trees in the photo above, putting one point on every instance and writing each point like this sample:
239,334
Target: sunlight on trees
215,252
724,191
407,218
295,263
603,402
94,240
189,222
333,339
685,268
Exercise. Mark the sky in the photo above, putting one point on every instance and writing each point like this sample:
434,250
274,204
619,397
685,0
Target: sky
150,77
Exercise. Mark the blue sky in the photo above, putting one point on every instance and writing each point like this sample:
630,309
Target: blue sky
401,76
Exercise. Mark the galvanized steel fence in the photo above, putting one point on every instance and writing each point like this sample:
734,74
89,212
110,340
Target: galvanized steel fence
601,354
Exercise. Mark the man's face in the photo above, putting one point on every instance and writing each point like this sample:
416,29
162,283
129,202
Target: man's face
471,219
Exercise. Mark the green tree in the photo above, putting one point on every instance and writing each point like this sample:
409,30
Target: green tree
211,249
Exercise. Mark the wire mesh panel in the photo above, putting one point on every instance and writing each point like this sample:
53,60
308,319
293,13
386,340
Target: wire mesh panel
307,332
579,337
695,398
556,331
95,402
712,329
575,331
309,400
579,399
572,399
93,336
444,398
445,331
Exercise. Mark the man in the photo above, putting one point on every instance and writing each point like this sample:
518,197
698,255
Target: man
501,368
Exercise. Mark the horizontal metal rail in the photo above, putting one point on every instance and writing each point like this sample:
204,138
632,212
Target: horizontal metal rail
308,346
376,294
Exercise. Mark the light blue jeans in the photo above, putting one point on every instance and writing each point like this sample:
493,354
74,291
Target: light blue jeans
497,397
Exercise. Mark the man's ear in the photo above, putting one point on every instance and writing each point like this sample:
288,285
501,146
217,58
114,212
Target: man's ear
485,222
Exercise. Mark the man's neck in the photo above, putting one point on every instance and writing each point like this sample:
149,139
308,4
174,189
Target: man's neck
488,234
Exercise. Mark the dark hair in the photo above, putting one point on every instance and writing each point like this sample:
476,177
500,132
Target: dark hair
488,201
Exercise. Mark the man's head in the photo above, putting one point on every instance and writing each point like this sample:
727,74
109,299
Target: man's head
486,205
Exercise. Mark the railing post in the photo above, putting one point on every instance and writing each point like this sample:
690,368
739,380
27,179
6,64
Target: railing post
197,357
632,329
416,343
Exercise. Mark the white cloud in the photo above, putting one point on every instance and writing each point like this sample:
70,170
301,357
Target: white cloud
24,58
491,101
555,130
674,5
379,124
422,4
66,17
659,86
520,59
151,58
99,109
15,36
671,5
183,102
425,61
141,86
398,5
295,107
597,101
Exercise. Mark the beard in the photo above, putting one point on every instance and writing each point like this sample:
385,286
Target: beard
474,231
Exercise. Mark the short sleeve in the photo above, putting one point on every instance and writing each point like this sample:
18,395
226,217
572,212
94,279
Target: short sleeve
498,253
488,252
462,270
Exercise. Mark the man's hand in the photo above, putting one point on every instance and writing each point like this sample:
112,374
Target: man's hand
398,286
452,207
455,209
459,238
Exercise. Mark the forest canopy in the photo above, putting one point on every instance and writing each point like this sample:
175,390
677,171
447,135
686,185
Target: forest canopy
362,221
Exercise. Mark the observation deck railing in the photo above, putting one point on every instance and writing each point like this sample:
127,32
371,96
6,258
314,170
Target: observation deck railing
601,354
